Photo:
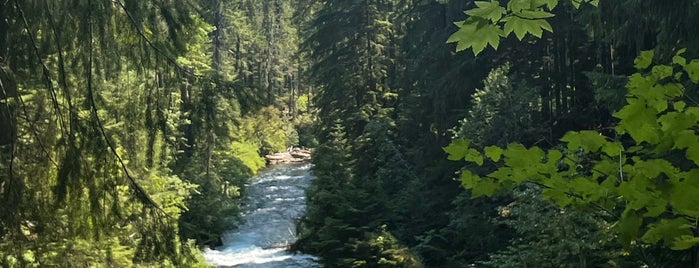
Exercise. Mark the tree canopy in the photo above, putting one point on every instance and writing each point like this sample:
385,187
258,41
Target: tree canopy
446,133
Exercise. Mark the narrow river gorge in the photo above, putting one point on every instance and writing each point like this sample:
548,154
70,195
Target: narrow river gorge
276,199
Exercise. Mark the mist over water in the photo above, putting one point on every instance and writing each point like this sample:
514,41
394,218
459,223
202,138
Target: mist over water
276,198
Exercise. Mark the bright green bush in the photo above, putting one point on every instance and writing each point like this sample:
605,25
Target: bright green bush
247,153
264,129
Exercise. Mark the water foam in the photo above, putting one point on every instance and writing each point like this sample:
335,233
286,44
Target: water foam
276,200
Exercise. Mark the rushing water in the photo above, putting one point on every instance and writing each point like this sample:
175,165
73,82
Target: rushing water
276,198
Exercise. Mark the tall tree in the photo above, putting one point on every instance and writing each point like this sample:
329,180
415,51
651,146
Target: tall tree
351,44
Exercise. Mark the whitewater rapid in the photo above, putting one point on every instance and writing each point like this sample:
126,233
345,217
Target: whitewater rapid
276,200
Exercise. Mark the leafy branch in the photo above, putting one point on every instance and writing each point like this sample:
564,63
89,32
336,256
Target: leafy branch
488,22
656,192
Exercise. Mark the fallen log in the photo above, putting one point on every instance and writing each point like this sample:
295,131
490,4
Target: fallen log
293,155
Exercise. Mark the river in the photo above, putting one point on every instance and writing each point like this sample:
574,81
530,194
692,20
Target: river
276,198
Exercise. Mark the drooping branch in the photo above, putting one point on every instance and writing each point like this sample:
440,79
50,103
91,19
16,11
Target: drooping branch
61,61
149,42
141,194
45,69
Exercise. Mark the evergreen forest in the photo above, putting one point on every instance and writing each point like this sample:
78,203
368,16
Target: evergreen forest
445,133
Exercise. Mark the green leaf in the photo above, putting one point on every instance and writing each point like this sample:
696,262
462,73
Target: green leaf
694,111
668,230
679,60
685,139
533,14
521,27
485,187
656,207
457,149
644,60
488,35
672,90
503,174
634,191
586,187
461,37
576,3
519,5
488,10
639,121
551,4
640,85
613,149
468,179
588,140
693,70
684,242
474,156
607,167
557,195
554,156
676,121
479,186
477,34
493,152
688,139
693,153
525,163
662,71
683,196
628,227
679,106
652,168
519,156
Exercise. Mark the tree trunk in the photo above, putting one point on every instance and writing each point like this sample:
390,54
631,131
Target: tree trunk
218,23
269,36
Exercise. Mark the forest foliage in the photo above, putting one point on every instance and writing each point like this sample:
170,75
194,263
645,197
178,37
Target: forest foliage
582,114
641,174
128,128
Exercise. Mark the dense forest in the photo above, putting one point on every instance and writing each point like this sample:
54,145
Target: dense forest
569,129
129,127
446,133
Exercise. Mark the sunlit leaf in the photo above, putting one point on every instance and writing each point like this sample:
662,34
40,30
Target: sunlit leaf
472,155
693,70
522,26
638,121
468,179
662,71
533,14
519,5
457,149
644,60
551,4
488,10
493,152
588,140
